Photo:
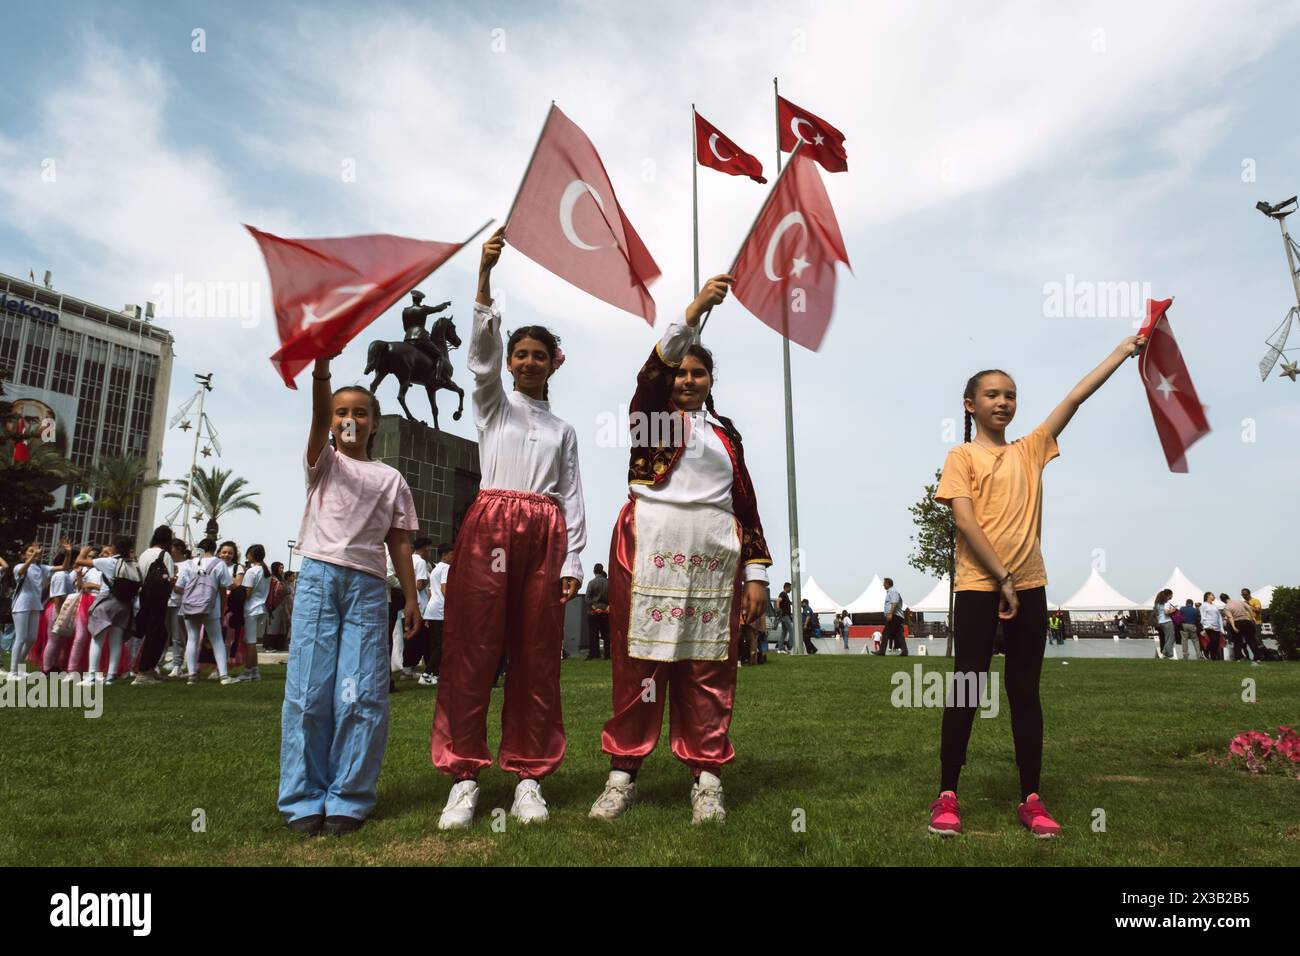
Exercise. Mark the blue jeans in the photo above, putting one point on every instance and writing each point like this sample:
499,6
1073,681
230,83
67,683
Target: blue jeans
787,632
334,725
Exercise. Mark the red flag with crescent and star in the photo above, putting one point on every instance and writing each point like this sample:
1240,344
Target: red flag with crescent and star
1178,413
567,219
822,141
785,272
716,151
325,291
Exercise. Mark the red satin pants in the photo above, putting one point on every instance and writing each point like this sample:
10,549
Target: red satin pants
702,693
503,594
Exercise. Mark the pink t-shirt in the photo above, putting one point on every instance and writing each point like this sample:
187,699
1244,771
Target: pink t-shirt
351,506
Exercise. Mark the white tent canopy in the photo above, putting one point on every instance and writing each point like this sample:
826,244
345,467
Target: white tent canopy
1182,588
819,600
1097,595
871,600
936,601
1265,595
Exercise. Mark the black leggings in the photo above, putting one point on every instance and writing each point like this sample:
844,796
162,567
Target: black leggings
976,615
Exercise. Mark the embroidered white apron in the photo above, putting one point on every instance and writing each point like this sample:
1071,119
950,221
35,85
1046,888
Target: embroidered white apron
683,582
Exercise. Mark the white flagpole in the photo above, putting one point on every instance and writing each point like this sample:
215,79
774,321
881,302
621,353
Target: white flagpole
695,198
791,492
194,459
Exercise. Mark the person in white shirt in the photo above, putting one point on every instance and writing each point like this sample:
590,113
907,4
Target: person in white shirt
255,579
1212,625
518,562
691,538
176,626
433,616
151,615
893,633
110,615
63,587
416,646
29,583
208,622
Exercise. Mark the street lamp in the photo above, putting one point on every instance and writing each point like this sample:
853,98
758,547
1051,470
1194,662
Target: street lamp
292,544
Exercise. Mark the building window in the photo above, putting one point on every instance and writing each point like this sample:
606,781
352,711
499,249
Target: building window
66,348
37,354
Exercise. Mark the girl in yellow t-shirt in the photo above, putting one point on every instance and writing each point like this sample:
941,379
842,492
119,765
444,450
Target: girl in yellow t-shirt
995,489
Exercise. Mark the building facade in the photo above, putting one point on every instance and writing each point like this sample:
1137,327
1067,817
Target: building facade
100,377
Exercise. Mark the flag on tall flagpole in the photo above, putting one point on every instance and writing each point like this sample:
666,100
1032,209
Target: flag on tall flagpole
567,219
785,270
1179,416
716,150
822,141
325,291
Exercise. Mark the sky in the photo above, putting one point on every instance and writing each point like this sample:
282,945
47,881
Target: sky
996,152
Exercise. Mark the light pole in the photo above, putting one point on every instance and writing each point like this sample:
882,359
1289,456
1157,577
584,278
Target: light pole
292,544
206,382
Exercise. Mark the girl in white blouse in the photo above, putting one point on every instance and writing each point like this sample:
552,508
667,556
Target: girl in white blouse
517,564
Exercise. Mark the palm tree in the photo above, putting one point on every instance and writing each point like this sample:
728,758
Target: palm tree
217,493
118,483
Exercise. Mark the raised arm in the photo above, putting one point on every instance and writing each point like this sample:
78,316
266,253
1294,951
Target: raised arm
322,414
1061,415
484,358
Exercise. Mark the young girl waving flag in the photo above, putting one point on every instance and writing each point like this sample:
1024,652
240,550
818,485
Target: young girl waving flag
335,718
995,489
517,563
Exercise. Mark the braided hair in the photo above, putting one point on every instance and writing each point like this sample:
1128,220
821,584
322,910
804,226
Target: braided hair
542,334
705,358
971,385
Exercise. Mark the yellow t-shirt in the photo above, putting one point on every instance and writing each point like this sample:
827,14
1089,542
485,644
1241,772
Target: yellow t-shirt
1005,486
1256,610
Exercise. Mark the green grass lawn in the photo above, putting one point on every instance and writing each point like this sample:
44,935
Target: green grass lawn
816,739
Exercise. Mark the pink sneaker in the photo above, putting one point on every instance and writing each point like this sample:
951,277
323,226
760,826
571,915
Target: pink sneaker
1036,818
945,818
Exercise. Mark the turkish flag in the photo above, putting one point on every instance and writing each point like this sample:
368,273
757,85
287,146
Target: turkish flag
325,291
785,272
715,150
567,219
822,141
1178,413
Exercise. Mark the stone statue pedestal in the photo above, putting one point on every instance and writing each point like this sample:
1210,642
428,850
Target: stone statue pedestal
441,469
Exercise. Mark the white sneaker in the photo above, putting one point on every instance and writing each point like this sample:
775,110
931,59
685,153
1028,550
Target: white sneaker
619,795
16,675
215,675
230,680
706,800
428,680
87,681
529,807
458,814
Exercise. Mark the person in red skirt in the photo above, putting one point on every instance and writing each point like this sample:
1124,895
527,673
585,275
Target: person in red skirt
687,564
517,564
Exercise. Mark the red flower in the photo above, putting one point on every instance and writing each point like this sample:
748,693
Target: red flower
696,560
677,612
659,562
690,612
706,617
713,565
657,614
679,558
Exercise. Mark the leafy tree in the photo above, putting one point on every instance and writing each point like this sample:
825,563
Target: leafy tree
934,549
27,502
1284,614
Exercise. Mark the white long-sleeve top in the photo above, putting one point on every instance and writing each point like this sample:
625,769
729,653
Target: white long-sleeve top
703,475
522,445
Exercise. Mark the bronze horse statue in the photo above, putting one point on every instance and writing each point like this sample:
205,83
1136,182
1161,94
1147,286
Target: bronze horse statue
412,364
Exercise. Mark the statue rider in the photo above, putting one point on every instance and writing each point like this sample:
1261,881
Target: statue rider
413,317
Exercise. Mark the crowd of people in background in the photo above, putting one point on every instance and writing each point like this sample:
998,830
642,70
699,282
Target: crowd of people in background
1204,628
104,613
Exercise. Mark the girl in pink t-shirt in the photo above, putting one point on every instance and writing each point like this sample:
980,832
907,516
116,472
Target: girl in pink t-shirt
335,717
